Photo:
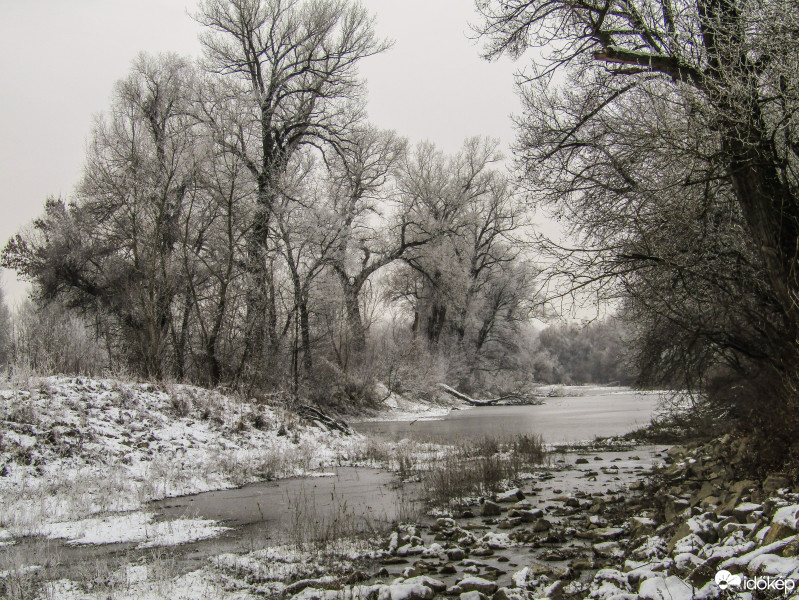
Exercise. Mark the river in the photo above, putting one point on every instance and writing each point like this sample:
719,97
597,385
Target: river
558,420
266,512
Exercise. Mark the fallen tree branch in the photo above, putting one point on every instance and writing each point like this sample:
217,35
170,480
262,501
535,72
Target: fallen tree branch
331,423
461,396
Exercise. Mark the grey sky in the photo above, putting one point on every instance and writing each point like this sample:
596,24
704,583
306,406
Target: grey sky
59,60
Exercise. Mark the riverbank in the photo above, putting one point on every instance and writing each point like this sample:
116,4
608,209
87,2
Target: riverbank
648,522
73,447
82,458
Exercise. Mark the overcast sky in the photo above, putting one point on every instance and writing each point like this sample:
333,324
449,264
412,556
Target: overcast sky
59,60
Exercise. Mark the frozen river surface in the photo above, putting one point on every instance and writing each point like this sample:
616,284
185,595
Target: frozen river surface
566,419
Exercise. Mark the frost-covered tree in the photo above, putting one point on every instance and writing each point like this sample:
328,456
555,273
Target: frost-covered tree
664,133
291,68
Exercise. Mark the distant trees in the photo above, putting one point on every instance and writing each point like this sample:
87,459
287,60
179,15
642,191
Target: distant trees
578,354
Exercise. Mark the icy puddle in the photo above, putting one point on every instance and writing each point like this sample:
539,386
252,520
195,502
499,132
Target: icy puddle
360,495
193,528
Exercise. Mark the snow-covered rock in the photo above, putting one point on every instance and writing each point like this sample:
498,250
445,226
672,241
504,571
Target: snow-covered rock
668,588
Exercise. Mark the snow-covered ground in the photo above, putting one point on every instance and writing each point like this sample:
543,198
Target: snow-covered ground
137,527
73,447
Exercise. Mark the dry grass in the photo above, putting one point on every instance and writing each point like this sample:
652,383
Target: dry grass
482,468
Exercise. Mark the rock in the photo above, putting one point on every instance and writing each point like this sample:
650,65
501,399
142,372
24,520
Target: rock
490,509
504,593
573,502
554,571
668,588
433,584
773,565
777,531
791,549
358,592
554,591
298,586
686,561
608,550
531,516
641,526
744,509
443,524
541,525
474,584
581,461
404,591
513,495
510,523
473,595
700,526
774,482
606,533
674,507
496,541
455,553
409,550
784,523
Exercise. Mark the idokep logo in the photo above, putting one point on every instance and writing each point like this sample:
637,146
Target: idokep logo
725,579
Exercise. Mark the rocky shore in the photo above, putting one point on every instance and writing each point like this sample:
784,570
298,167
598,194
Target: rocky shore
604,526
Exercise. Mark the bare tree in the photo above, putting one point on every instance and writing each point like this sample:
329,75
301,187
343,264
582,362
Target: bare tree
664,134
293,66
375,226
115,249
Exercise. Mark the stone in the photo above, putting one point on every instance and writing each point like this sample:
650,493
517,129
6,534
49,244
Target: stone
510,523
455,553
505,593
606,533
668,588
402,591
473,595
776,481
777,531
608,550
531,516
541,525
513,495
476,584
674,507
641,526
433,584
581,461
490,509
443,523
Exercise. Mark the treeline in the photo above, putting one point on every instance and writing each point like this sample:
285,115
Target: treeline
240,222
573,354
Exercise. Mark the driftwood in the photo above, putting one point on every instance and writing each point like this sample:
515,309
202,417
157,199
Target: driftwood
331,423
461,396
520,399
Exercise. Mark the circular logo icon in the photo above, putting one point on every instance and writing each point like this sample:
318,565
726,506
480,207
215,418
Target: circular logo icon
725,579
